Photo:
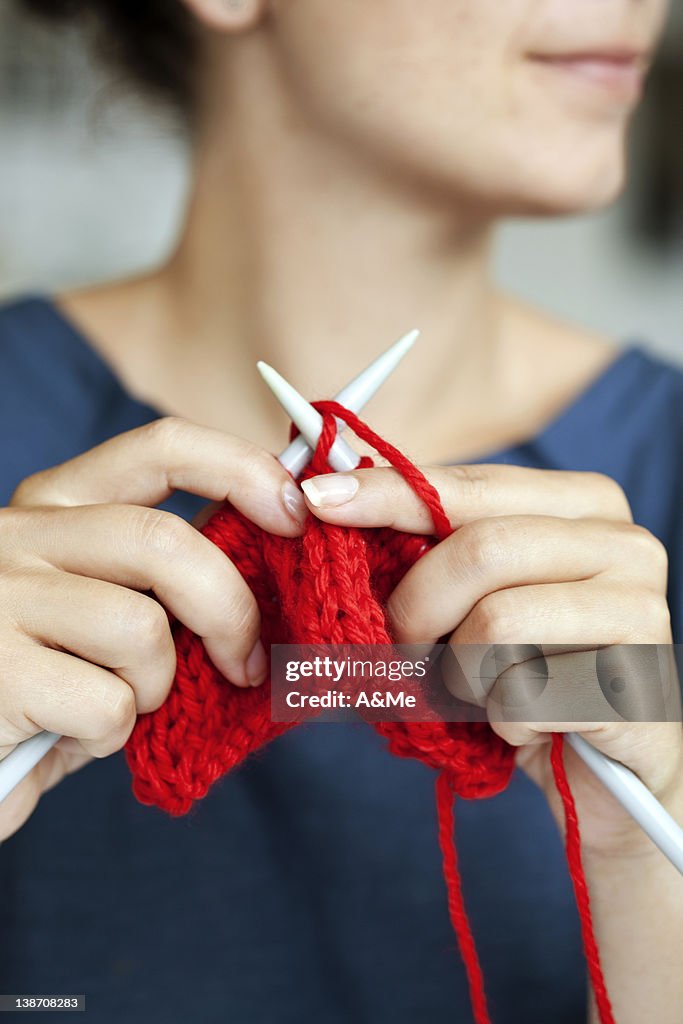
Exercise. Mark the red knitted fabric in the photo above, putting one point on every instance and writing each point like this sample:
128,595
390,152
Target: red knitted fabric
328,587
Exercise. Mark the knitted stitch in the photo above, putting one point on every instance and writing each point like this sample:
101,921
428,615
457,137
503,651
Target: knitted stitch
328,587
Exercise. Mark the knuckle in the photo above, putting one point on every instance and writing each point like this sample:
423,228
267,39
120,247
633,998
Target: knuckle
45,488
612,495
484,544
164,532
654,615
474,480
163,433
29,490
159,687
495,621
256,461
242,615
654,552
116,716
145,624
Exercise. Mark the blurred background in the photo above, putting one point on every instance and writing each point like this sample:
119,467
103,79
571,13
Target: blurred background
92,182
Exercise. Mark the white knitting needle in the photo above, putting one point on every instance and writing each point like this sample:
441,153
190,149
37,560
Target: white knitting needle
354,396
341,455
628,789
635,797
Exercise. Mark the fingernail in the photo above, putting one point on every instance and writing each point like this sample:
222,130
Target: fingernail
293,501
330,490
256,665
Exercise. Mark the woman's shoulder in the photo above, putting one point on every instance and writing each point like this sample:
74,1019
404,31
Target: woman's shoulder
653,430
627,421
47,368
57,396
628,424
19,310
652,375
37,343
17,314
600,399
647,403
643,398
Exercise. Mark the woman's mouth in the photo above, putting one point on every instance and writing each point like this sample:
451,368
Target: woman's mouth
621,74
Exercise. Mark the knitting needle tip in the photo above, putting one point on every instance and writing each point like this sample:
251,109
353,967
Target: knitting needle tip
266,370
309,421
361,389
297,408
355,395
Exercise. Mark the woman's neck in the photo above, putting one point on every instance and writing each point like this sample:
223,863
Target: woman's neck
296,253
300,254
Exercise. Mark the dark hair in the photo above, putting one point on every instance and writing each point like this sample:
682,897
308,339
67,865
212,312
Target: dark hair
155,42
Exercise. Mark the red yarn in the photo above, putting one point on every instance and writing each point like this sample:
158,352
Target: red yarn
328,587
456,903
573,847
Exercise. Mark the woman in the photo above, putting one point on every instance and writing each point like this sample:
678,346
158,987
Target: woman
351,163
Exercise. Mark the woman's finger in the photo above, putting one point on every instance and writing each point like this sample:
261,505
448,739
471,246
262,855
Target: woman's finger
588,613
66,695
381,497
148,549
492,554
108,625
144,466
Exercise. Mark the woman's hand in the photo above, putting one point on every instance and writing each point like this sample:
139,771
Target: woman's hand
84,645
540,557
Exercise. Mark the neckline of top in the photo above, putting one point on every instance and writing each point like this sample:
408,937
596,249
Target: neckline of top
559,426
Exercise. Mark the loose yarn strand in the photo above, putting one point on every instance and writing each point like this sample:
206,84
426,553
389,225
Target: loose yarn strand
573,848
410,473
456,903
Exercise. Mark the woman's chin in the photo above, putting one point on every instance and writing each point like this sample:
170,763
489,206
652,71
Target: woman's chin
577,197
555,192
526,184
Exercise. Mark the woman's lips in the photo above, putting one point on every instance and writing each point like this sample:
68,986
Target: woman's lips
620,74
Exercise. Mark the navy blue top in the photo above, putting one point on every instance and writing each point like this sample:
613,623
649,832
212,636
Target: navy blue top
307,886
